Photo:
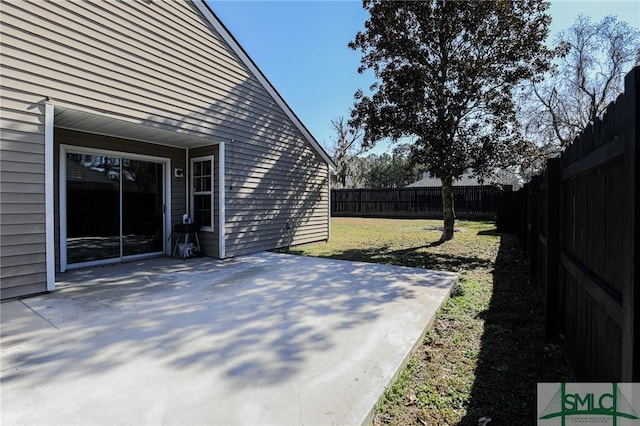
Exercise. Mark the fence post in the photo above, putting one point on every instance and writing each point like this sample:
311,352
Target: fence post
553,249
507,210
631,285
523,196
532,227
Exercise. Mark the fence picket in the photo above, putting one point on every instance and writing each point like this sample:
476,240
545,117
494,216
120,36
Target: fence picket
582,242
469,201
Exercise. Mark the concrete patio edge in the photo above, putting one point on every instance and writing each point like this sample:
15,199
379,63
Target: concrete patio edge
371,415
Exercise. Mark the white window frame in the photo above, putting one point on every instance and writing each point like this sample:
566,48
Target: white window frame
211,192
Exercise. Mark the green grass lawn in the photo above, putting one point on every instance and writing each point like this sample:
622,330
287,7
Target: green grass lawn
486,351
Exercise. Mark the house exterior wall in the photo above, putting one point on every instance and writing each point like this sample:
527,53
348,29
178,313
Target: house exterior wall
22,196
158,64
268,188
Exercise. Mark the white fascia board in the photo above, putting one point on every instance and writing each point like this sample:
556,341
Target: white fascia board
235,46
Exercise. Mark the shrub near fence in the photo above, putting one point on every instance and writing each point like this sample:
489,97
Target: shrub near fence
581,237
469,201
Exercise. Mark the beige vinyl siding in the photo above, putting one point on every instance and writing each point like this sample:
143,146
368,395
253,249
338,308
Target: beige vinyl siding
158,64
22,203
155,64
270,185
132,71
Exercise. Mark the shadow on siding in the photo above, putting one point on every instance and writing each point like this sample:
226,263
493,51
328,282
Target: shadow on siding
275,183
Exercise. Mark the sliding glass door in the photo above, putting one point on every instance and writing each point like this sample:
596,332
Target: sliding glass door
141,207
114,207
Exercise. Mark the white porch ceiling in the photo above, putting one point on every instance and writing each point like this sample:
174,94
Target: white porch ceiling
105,125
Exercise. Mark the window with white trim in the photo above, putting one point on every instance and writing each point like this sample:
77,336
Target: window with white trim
202,192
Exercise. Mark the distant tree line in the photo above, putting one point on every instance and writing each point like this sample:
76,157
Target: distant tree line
357,169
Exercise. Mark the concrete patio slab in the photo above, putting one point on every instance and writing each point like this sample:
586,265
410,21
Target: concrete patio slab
267,339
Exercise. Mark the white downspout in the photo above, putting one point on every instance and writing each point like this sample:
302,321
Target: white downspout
48,194
187,182
168,207
329,199
221,202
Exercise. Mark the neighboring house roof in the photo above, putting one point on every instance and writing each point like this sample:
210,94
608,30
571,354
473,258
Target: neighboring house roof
80,176
426,181
244,57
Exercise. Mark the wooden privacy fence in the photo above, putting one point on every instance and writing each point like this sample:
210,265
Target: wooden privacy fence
581,238
469,201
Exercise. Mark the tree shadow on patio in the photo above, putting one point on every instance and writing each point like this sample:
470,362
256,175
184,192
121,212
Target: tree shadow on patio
257,320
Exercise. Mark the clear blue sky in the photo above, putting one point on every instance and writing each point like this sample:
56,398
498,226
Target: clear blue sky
301,47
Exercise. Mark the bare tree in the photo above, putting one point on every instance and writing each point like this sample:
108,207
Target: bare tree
594,57
347,146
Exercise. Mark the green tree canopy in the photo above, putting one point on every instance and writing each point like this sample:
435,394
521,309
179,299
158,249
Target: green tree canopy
391,170
446,72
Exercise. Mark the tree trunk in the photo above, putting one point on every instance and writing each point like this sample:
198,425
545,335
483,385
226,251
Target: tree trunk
447,209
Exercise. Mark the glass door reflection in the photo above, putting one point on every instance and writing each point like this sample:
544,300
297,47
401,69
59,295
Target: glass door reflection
93,207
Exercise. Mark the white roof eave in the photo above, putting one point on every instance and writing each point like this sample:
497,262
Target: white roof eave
244,57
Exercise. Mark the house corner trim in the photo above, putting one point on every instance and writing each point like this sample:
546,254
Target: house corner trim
49,198
221,202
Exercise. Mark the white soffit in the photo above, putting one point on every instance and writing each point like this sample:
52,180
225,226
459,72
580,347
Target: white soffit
108,126
244,57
